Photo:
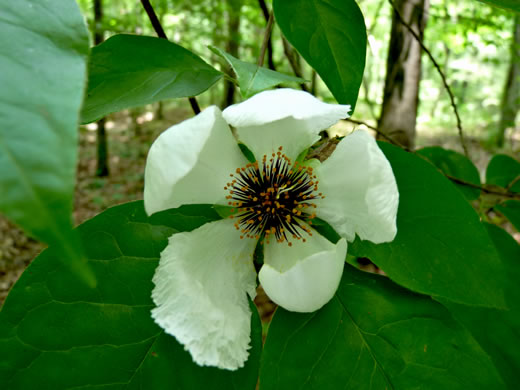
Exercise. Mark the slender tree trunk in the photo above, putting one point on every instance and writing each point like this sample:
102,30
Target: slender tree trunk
102,148
233,45
403,72
511,96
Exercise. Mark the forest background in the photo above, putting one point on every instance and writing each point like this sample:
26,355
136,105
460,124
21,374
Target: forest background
476,47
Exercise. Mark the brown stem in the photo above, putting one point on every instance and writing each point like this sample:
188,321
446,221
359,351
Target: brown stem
291,56
484,188
154,19
265,12
194,105
380,133
267,36
156,24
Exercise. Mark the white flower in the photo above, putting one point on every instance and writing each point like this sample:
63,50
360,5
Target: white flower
204,275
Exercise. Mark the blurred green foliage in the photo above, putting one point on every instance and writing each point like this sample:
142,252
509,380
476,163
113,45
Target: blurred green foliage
469,39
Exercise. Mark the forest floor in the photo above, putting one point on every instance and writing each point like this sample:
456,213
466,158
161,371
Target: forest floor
129,138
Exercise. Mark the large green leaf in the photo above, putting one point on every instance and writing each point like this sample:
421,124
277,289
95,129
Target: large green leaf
253,78
373,335
504,171
511,210
58,334
513,5
131,70
455,165
498,331
331,36
441,248
42,60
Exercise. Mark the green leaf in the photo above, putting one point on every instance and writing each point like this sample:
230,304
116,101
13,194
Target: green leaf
331,36
131,70
57,334
497,330
504,171
511,210
373,335
441,248
43,61
253,78
512,5
455,165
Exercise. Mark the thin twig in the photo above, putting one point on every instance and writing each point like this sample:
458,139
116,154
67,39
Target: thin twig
154,19
379,132
513,182
484,188
267,35
265,12
487,189
290,54
156,24
194,105
441,73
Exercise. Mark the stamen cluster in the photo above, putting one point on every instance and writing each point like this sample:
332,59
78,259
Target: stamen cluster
273,198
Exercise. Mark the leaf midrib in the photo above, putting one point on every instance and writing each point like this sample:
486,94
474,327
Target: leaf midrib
367,345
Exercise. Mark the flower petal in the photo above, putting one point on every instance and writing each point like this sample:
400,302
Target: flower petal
200,293
282,117
305,276
191,162
360,191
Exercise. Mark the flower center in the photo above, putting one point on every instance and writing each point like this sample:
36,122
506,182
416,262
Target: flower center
273,199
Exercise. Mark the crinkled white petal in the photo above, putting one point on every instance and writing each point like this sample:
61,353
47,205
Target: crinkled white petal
200,293
361,194
305,276
190,163
282,117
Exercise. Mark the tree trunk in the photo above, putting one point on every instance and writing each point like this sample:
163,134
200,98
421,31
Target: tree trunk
233,45
102,149
403,72
510,104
